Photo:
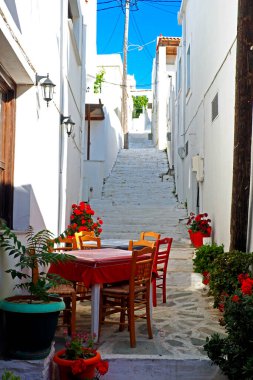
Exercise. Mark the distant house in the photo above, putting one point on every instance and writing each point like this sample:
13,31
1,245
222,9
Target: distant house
103,121
163,84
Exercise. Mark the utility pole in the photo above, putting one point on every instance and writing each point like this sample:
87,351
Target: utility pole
242,129
124,107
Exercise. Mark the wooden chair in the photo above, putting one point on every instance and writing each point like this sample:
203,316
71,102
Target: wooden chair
89,242
149,235
65,291
162,253
62,244
85,240
147,239
82,235
131,299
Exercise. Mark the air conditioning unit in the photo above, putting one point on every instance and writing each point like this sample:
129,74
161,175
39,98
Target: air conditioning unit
198,167
181,152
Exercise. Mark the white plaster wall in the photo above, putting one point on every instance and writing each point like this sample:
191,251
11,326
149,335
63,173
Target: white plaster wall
212,71
48,163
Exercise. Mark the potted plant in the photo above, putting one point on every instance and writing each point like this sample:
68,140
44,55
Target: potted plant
81,219
198,227
204,258
79,359
30,318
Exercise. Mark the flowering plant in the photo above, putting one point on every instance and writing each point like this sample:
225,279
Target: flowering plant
81,346
81,219
233,352
199,222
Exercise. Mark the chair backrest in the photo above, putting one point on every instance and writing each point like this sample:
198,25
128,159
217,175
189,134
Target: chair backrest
140,243
62,244
162,253
89,242
80,234
149,235
141,269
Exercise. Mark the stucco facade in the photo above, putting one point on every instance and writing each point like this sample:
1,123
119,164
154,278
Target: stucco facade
204,108
40,37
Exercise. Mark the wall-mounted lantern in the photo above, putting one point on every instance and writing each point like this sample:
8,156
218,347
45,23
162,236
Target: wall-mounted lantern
69,124
47,87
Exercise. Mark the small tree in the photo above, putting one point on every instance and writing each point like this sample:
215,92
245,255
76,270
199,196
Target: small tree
139,102
98,82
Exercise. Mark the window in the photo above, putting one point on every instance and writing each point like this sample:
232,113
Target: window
188,74
179,75
7,136
186,148
215,108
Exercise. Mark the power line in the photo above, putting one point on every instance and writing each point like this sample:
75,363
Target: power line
110,38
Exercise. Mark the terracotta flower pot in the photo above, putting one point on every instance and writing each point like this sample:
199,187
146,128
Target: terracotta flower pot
77,369
197,237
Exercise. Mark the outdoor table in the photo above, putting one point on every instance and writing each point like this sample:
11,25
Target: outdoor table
93,268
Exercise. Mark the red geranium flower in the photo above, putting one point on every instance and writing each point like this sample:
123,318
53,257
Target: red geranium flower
235,298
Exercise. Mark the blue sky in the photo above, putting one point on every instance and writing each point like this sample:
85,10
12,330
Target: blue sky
148,19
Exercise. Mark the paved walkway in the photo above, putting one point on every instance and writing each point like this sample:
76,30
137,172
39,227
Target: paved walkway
135,199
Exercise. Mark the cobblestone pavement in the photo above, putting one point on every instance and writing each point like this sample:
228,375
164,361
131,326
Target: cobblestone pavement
180,327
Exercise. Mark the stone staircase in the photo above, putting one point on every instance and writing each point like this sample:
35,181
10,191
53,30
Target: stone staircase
136,197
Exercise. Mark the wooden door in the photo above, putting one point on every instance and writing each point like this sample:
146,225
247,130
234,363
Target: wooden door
7,143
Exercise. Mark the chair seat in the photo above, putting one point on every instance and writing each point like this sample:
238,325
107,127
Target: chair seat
62,290
124,290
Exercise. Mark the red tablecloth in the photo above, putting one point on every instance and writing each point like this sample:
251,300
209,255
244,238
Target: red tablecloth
95,266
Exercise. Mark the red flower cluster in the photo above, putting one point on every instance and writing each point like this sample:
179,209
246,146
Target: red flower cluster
81,219
206,278
246,284
199,222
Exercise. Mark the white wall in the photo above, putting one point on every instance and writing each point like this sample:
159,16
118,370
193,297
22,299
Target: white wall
213,49
48,164
106,136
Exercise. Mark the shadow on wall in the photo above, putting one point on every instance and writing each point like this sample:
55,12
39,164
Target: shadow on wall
26,211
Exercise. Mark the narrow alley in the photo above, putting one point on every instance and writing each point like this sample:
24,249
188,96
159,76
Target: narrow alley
135,199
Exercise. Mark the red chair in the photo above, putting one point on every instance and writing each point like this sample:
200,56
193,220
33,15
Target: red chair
160,265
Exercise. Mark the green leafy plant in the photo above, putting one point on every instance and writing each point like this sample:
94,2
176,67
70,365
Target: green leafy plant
139,102
233,352
9,375
224,274
205,256
98,82
81,346
29,257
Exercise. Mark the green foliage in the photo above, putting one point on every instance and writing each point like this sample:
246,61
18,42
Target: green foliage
234,352
9,375
28,257
139,103
204,257
224,272
98,82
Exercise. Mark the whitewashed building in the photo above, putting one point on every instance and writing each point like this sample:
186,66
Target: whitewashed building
41,166
103,123
204,108
143,122
163,84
